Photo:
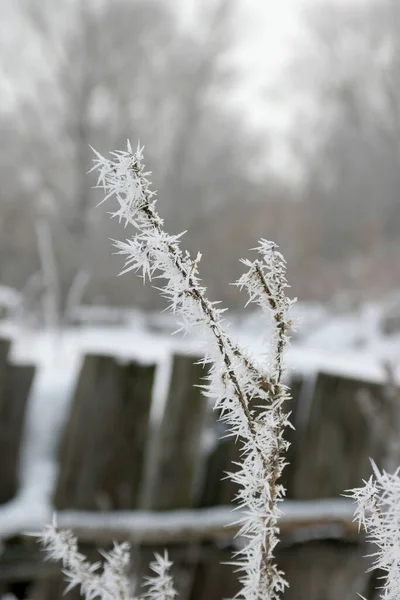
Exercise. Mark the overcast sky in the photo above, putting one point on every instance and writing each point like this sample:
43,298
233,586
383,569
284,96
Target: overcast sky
268,32
273,32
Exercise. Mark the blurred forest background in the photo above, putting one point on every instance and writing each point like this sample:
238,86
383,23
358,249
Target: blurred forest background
325,185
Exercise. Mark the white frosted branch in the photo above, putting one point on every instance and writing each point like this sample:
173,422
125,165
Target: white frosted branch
249,396
110,583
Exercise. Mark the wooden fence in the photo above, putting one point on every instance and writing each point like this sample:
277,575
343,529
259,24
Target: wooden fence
121,476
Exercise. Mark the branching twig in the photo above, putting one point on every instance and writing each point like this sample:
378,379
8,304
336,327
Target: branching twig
234,378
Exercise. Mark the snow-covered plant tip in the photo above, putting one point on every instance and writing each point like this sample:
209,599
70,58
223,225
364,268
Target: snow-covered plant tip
248,393
378,512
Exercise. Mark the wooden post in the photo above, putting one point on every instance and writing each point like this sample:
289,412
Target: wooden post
4,350
101,455
325,569
214,579
102,452
297,386
217,489
177,459
333,449
15,383
178,453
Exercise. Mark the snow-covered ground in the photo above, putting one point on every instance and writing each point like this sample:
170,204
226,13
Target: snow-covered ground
348,344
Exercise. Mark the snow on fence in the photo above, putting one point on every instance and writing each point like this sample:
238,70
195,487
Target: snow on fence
124,475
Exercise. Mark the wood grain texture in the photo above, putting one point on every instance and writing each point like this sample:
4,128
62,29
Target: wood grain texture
102,453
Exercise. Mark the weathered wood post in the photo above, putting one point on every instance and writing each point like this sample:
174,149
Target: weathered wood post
178,458
102,451
101,455
15,383
332,447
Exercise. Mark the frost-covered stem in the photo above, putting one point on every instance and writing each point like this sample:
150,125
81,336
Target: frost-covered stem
235,379
153,221
282,325
266,283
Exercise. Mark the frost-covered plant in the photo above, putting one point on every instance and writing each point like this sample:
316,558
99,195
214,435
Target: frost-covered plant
111,582
248,393
161,585
378,512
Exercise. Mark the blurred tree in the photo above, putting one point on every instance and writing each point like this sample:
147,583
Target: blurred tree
100,71
349,135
